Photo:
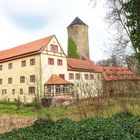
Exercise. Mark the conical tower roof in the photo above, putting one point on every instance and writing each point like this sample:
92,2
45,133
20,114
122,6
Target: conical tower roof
77,21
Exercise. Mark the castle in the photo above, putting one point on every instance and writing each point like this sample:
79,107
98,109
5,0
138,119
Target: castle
41,68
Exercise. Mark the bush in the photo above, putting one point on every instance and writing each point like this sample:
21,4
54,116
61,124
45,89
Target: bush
122,126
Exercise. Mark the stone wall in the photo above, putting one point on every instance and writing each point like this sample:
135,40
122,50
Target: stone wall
122,88
79,34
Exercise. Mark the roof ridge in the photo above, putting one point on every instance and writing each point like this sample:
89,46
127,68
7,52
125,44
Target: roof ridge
28,43
56,79
30,47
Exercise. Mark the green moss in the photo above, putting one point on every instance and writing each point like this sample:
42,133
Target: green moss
72,49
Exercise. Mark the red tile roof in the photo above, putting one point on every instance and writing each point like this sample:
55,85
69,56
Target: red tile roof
108,73
115,73
56,80
78,64
32,47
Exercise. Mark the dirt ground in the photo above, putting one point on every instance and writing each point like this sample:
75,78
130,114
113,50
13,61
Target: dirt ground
8,123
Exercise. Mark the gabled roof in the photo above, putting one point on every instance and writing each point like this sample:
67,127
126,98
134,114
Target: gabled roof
56,80
32,47
115,73
78,64
77,21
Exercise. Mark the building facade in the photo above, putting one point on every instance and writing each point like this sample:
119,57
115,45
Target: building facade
41,68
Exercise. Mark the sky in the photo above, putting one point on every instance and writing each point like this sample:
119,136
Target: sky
22,21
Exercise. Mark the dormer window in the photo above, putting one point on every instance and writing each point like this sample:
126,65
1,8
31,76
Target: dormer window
54,48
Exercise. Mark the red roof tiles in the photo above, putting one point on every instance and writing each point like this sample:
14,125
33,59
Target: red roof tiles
108,73
32,47
115,73
56,80
78,64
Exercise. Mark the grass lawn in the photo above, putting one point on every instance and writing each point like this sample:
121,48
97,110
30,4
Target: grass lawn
11,109
105,107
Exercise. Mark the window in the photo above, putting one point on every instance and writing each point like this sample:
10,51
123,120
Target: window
23,63
32,61
98,76
0,67
50,61
32,78
58,88
54,48
91,76
0,81
86,76
4,91
10,80
10,66
13,91
77,76
31,90
65,89
62,76
21,91
49,89
22,79
71,76
59,62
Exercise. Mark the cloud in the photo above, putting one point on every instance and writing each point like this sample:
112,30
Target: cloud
29,22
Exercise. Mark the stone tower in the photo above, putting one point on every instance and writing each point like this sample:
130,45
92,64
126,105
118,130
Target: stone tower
78,46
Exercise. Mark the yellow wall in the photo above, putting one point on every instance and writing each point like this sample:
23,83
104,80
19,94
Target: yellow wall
15,73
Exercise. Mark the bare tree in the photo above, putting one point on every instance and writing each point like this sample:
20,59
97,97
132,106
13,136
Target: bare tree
123,16
114,60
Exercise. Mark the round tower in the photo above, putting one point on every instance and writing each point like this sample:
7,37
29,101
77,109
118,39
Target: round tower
78,46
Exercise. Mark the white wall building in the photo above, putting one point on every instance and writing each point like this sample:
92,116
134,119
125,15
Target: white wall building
42,68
